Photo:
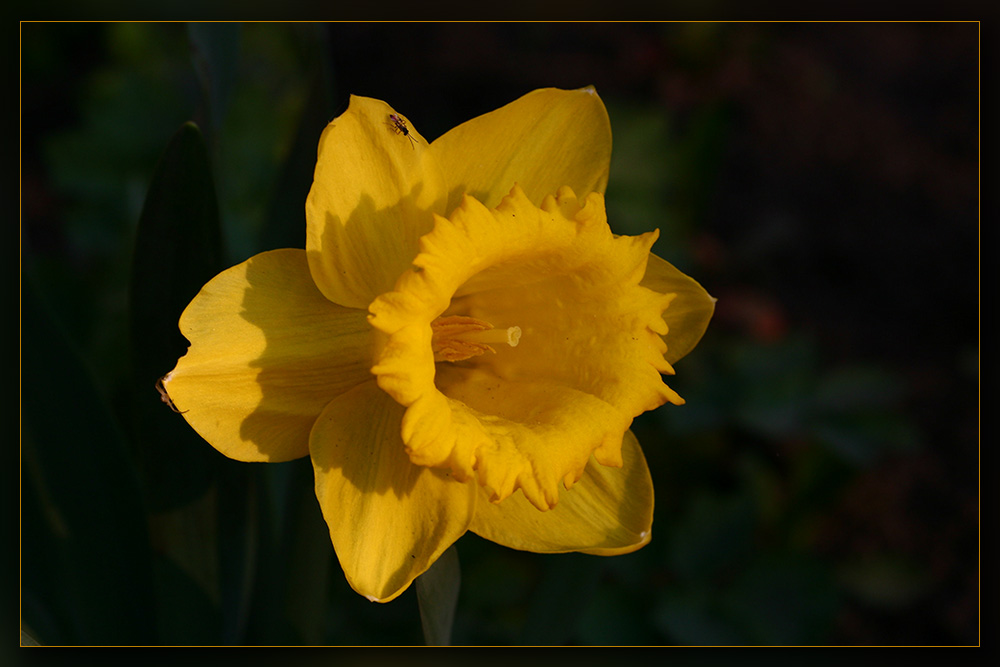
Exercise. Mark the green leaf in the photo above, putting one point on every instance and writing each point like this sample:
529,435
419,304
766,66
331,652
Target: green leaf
614,616
177,250
784,599
857,387
237,540
285,225
308,556
777,383
857,415
692,618
884,581
861,439
215,51
568,582
713,535
437,593
186,614
86,571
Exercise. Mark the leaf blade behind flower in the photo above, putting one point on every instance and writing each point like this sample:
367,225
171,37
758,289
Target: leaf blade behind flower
178,248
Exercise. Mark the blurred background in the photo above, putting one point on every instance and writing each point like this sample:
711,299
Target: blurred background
820,486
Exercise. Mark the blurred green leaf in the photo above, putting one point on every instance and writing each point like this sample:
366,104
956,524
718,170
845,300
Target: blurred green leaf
85,545
776,381
567,582
857,415
863,438
884,581
215,51
713,535
691,618
664,172
613,617
237,543
280,67
763,484
495,584
285,224
855,387
437,593
291,591
816,482
783,599
186,614
639,162
177,250
123,89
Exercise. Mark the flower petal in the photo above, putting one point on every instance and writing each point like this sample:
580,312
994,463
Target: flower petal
373,193
688,315
589,359
542,141
522,434
609,511
389,520
257,375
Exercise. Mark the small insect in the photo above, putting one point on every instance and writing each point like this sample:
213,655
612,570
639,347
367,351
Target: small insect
165,397
398,126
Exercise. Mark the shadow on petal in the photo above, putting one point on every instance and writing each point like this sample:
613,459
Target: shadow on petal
353,262
308,352
389,519
608,512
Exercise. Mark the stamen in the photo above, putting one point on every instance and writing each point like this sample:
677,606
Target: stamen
457,337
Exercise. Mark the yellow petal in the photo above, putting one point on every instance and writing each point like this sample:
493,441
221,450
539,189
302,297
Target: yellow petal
521,434
588,360
689,312
609,511
267,352
542,141
373,193
389,520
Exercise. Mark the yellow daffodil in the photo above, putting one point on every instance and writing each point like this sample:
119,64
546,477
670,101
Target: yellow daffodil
462,345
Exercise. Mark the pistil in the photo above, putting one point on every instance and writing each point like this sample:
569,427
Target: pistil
457,337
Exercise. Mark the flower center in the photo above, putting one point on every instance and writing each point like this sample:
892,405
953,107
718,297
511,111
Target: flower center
457,337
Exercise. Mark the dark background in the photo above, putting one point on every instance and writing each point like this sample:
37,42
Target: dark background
821,486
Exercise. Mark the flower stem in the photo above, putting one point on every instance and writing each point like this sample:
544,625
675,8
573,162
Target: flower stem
437,595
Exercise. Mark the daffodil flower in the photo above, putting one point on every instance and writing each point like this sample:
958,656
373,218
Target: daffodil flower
462,345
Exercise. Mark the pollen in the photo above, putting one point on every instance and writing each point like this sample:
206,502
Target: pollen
456,337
